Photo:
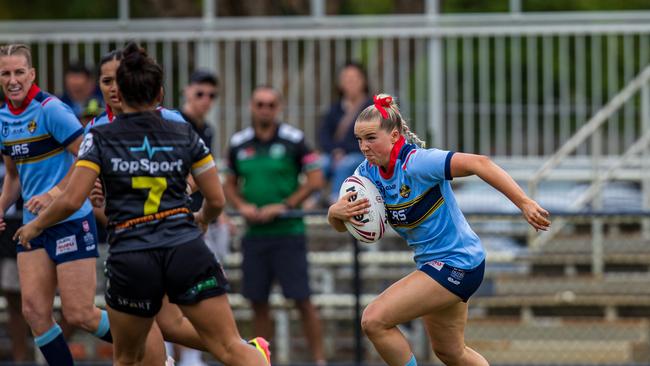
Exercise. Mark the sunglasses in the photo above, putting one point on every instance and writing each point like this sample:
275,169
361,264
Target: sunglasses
201,94
270,105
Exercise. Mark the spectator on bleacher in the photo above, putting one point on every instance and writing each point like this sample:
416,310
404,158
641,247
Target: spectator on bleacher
166,257
420,206
62,257
336,138
265,162
81,93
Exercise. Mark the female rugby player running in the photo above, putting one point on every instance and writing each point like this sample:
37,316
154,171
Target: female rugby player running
420,206
156,246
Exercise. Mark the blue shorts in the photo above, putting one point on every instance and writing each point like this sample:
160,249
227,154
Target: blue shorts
460,282
266,259
68,241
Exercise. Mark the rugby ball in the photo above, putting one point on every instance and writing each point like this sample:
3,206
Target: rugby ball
374,222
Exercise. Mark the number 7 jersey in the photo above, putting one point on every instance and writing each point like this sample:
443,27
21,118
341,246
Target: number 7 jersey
143,162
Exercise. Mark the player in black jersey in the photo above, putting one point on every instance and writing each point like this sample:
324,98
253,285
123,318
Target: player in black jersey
156,246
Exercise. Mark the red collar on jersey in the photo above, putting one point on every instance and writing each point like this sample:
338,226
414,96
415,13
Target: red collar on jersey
387,174
33,91
109,113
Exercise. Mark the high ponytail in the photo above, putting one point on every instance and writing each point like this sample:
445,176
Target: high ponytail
387,112
139,77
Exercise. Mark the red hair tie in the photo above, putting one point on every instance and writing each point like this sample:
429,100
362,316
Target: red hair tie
381,104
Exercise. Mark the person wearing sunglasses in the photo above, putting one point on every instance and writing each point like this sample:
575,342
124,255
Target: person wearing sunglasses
199,97
265,162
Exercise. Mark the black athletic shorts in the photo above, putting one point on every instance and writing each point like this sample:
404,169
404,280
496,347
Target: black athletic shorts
137,281
267,259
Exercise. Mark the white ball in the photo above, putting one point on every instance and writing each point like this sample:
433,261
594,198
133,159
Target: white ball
375,220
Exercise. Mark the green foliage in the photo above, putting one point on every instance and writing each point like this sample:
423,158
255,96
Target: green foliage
473,6
366,7
583,5
48,9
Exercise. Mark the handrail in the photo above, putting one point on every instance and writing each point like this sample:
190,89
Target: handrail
589,128
595,187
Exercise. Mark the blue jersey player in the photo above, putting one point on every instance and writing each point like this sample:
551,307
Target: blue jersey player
420,206
40,137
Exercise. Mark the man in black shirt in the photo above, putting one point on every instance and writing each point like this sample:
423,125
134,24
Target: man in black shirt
200,95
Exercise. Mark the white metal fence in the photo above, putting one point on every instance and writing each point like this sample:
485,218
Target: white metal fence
516,85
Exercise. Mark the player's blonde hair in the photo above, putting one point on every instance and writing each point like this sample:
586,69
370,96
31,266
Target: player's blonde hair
17,49
392,119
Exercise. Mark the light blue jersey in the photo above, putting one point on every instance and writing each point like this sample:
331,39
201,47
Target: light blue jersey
35,137
108,117
421,207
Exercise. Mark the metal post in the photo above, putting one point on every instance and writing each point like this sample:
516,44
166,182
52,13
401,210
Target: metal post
207,59
515,6
597,222
317,8
432,7
436,78
209,11
123,11
645,183
282,319
358,345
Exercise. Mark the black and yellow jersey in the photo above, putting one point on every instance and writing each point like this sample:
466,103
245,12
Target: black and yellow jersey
143,162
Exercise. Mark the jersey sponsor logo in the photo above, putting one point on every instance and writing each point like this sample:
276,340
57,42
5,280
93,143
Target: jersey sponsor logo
205,148
457,274
19,151
18,127
150,150
208,284
89,239
134,304
31,126
436,264
455,282
66,245
86,144
405,191
86,226
246,153
277,151
145,166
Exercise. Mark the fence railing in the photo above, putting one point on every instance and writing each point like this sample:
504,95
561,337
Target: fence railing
507,85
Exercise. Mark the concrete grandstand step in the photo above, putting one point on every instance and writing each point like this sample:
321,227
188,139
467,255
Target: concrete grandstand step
560,342
620,243
559,329
610,284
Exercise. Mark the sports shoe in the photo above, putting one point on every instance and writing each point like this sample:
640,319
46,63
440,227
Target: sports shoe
263,346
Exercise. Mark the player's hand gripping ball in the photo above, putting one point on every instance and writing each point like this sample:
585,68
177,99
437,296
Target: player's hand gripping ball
374,222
